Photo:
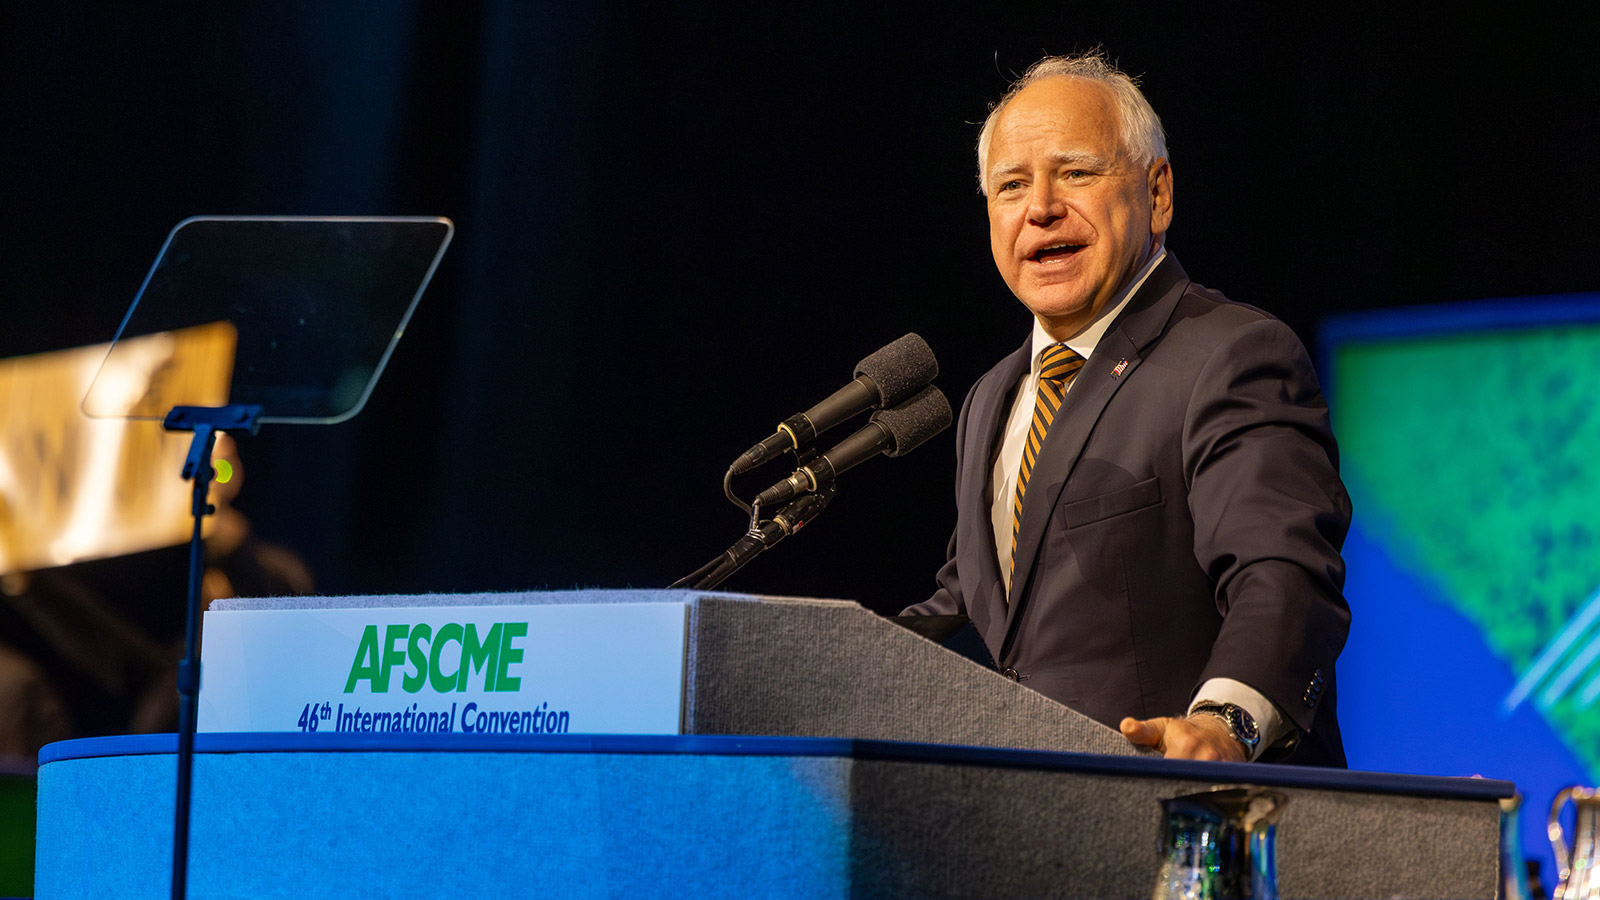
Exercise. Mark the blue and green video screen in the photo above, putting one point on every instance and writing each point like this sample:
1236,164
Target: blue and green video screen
1470,442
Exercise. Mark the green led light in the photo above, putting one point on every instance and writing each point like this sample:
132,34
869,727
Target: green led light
224,470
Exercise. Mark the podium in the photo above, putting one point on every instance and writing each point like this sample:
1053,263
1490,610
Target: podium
825,752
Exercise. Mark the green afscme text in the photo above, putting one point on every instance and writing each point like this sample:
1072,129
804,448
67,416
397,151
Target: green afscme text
421,654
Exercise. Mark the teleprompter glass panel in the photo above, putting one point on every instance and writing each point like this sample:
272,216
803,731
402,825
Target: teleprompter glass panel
308,309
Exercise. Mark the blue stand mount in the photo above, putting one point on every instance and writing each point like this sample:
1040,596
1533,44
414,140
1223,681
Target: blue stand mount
205,422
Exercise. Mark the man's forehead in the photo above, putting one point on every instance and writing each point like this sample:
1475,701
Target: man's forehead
1063,96
1077,111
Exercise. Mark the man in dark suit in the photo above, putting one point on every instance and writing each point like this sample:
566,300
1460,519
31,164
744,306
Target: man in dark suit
1149,511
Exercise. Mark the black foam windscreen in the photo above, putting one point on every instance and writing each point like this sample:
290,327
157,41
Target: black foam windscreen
914,421
900,368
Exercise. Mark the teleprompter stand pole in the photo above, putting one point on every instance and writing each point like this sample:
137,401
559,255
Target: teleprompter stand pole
205,422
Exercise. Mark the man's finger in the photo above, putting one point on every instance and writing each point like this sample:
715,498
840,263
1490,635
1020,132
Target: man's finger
1146,733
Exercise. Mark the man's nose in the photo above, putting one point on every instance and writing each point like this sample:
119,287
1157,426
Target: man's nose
1045,204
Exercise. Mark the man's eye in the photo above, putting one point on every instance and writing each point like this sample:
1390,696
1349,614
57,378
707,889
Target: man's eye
1078,175
1011,185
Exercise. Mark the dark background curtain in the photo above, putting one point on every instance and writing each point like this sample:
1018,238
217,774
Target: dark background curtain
679,224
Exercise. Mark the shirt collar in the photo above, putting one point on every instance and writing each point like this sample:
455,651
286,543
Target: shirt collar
1083,343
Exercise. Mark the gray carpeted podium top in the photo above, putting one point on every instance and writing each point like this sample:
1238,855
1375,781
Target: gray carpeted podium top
810,668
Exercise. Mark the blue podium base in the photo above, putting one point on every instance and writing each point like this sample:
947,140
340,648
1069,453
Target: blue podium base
575,816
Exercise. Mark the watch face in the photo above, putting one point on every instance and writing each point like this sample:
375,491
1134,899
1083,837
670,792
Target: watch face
1244,725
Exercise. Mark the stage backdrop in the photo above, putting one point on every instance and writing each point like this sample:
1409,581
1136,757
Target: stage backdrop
1471,445
758,195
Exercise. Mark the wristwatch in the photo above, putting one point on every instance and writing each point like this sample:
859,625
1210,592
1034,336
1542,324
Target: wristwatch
1238,719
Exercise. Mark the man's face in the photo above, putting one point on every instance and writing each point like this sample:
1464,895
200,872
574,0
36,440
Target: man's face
1071,216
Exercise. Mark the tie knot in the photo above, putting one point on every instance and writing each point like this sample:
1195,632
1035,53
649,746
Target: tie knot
1059,362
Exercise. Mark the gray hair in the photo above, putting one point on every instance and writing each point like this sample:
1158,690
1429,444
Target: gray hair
1142,135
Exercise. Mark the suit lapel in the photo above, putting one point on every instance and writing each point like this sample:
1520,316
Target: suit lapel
1114,360
990,408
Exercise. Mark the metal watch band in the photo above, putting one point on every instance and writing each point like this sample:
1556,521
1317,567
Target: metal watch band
1238,719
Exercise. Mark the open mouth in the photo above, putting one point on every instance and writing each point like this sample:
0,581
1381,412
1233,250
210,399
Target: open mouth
1056,251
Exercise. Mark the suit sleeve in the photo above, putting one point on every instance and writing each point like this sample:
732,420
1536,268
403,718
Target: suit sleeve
1270,515
948,598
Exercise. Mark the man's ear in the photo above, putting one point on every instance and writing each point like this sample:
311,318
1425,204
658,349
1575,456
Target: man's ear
1159,182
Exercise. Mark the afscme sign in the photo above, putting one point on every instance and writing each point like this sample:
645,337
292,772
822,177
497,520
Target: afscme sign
429,659
514,668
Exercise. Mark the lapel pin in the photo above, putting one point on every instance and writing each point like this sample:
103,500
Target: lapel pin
1121,367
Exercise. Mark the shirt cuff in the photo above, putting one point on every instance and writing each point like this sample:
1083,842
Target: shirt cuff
1272,725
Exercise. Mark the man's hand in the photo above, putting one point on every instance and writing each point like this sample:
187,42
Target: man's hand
1198,737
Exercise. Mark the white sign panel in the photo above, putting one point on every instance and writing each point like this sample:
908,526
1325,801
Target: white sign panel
605,668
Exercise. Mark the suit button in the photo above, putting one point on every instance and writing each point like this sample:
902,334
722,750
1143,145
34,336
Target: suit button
1011,674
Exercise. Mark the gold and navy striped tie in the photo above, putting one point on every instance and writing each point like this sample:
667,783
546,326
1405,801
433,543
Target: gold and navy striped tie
1056,369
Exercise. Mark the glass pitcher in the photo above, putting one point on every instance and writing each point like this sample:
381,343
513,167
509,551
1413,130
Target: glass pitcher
1513,865
1577,862
1218,845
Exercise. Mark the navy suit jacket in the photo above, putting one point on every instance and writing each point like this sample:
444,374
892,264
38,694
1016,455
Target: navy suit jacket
1183,521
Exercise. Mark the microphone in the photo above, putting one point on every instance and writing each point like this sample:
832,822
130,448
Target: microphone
893,432
886,378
